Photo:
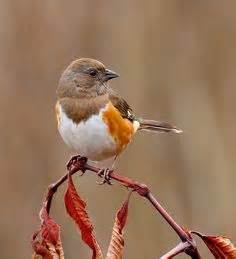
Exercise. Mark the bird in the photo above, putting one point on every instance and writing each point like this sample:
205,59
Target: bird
92,118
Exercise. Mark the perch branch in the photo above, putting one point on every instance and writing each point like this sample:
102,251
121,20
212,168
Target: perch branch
180,248
188,245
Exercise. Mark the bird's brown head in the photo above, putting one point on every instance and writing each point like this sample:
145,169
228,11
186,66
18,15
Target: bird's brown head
84,77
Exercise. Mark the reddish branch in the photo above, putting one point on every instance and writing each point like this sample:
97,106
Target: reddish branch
180,248
187,245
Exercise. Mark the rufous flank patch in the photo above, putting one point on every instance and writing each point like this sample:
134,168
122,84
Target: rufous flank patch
120,128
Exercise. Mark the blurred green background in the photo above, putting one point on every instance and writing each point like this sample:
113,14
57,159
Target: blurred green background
177,63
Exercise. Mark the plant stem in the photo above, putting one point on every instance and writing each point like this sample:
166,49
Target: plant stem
181,233
176,250
80,164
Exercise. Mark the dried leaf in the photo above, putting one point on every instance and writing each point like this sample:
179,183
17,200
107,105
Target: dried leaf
220,247
46,242
40,249
50,229
76,208
116,247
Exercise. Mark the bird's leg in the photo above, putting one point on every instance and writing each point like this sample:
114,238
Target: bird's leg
105,173
74,160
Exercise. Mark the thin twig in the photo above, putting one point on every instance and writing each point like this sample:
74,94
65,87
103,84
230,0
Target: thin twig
180,248
80,164
53,187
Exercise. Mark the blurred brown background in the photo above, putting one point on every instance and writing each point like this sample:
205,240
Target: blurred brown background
177,63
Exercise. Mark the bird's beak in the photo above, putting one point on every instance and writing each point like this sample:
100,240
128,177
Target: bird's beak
109,74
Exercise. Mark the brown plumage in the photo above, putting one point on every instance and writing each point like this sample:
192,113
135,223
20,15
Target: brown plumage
90,113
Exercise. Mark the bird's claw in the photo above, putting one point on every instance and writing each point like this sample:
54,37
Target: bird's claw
74,160
105,174
82,173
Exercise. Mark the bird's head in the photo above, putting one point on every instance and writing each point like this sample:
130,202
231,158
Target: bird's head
84,77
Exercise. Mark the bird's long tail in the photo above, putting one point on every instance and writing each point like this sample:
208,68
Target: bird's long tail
151,125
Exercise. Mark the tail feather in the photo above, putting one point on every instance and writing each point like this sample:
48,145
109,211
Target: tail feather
151,125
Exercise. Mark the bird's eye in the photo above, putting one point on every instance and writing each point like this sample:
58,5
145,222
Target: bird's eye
93,72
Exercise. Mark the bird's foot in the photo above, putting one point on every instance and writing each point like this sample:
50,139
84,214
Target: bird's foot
105,174
74,160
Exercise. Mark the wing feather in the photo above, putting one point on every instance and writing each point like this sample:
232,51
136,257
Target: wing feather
121,105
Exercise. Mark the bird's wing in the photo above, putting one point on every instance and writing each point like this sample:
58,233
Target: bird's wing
121,105
126,112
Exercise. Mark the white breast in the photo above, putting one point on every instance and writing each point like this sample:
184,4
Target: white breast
90,138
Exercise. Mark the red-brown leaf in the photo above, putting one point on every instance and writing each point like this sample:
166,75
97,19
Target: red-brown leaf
40,249
50,229
46,242
76,208
116,247
220,247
